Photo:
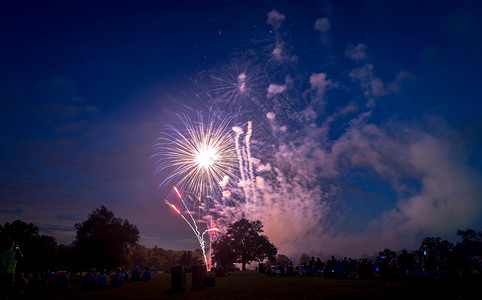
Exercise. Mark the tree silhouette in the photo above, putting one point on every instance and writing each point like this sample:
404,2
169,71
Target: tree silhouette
436,245
189,258
471,242
103,240
243,243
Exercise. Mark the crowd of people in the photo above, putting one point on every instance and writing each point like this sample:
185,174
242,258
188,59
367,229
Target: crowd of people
405,265
387,265
38,283
16,283
100,280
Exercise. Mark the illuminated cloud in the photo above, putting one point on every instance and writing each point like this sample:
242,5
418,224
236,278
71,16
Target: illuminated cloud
320,84
275,89
275,19
277,52
372,86
357,53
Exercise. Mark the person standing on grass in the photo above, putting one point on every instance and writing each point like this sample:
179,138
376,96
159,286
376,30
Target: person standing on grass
136,274
9,256
117,278
102,280
147,275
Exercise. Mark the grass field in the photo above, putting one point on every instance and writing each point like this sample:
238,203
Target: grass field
253,285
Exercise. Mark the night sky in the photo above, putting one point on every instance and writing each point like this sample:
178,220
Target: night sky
367,115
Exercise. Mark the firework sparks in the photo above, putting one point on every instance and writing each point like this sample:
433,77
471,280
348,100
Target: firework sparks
198,157
201,161
193,225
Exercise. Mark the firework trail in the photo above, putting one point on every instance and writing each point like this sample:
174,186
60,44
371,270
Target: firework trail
238,130
247,141
193,225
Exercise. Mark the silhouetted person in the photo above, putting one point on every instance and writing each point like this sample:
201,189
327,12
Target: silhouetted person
431,264
147,275
88,280
302,269
8,258
126,275
136,274
102,280
382,266
406,264
311,266
289,269
62,279
330,267
117,278
340,270
319,265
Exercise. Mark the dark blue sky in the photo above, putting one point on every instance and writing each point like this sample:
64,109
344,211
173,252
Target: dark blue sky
377,105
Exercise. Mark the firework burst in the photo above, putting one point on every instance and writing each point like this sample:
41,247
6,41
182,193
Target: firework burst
200,158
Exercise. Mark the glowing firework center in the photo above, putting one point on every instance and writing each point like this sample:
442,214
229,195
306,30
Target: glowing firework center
206,157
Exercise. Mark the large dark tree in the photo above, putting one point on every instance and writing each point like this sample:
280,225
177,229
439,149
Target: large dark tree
471,243
103,240
243,243
436,245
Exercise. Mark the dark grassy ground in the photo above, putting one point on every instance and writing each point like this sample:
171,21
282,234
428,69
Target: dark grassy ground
253,285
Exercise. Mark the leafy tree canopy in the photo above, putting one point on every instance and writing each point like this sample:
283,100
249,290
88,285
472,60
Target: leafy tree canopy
436,245
243,243
103,239
471,242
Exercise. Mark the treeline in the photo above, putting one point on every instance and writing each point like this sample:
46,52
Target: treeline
102,242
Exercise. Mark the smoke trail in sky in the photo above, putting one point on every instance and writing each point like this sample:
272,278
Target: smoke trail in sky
321,165
311,137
